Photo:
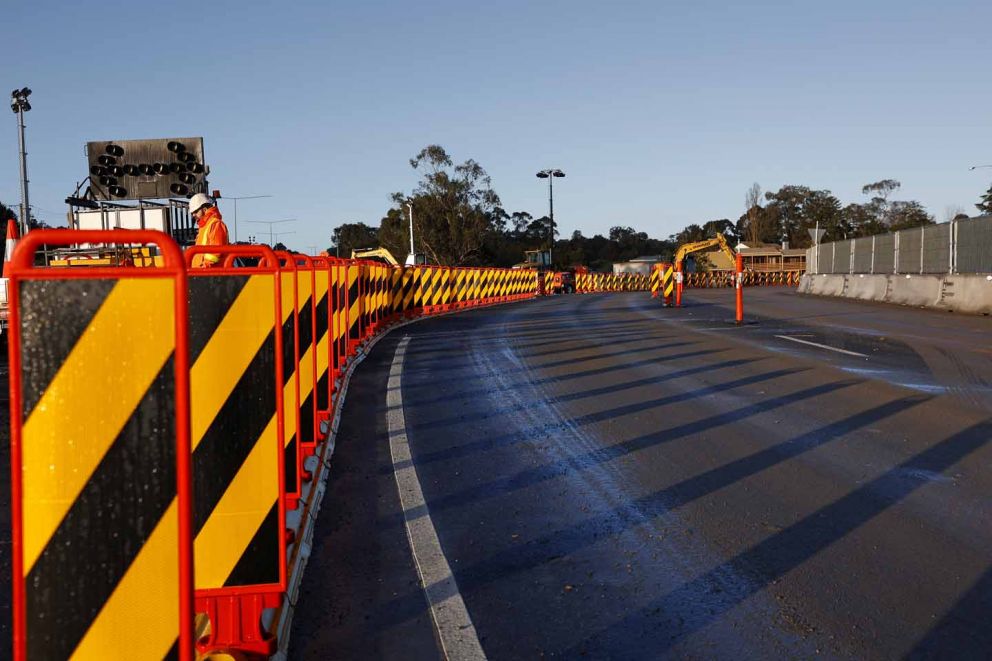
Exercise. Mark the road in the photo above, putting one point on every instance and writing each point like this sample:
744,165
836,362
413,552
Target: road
608,478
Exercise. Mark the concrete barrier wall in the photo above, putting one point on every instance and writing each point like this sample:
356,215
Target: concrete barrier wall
969,293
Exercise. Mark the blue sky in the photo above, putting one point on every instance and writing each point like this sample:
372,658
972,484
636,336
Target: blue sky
660,113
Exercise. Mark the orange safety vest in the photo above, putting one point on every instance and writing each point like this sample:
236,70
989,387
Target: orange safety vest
212,232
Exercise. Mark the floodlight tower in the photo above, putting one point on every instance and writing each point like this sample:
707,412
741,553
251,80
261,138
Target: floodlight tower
19,104
550,175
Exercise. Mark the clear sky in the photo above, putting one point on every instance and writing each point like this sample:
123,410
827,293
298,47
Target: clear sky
661,113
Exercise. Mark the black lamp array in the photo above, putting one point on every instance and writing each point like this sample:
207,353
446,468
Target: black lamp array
110,169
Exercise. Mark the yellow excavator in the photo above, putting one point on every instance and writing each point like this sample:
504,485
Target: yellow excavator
687,248
381,253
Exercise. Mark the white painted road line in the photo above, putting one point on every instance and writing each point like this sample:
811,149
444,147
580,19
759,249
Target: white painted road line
455,630
822,346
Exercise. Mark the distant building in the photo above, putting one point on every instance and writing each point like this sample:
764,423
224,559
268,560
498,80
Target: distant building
773,258
639,265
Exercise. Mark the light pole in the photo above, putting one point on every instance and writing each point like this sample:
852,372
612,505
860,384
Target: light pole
411,260
270,223
19,104
278,234
975,167
550,175
236,198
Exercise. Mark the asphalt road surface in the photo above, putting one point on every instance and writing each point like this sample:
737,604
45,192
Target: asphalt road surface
610,479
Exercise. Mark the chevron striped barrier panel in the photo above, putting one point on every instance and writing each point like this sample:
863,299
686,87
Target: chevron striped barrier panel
224,382
698,280
590,283
99,393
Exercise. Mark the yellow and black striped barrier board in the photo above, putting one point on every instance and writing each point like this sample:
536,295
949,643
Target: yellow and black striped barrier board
289,318
476,294
461,286
406,290
445,286
435,288
368,309
339,278
307,356
418,285
372,300
323,311
355,327
667,283
235,340
396,291
386,300
482,285
99,446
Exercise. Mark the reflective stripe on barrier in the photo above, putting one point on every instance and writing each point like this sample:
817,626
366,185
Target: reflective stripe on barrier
101,485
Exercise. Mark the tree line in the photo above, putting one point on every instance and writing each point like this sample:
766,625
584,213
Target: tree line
460,220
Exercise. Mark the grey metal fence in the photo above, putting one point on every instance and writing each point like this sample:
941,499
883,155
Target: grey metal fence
960,246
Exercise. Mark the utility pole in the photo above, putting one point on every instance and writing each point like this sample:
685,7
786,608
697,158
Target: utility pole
240,197
19,104
270,223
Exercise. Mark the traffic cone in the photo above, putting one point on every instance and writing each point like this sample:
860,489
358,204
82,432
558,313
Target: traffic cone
12,238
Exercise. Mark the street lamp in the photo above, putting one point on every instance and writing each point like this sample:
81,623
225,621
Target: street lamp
550,175
19,104
411,260
236,198
975,167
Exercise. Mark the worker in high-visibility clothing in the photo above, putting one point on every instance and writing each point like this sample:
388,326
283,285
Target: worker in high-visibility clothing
212,230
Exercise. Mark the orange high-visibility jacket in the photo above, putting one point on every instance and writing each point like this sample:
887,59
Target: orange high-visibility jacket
212,232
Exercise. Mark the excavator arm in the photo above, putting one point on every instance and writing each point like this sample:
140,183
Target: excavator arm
696,246
381,253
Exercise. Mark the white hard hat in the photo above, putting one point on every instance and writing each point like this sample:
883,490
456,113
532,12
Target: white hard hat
199,201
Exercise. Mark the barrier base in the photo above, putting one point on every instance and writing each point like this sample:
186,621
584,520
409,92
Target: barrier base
236,623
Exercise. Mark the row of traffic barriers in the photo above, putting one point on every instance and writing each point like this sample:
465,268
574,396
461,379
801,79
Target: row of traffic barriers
698,280
587,283
161,423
